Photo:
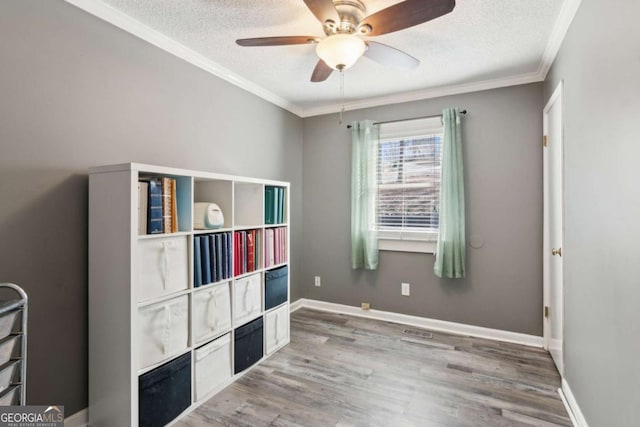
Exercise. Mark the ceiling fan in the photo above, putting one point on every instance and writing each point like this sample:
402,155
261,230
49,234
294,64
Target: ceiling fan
345,23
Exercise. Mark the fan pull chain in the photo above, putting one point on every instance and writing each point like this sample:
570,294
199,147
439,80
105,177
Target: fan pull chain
341,94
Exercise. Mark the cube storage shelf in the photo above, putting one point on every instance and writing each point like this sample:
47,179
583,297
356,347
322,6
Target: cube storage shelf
160,342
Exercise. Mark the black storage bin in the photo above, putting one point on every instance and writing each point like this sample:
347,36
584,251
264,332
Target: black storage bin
248,345
275,284
165,392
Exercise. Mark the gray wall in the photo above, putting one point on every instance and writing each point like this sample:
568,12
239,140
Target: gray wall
76,92
600,64
502,150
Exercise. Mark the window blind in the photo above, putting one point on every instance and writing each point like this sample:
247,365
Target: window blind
408,176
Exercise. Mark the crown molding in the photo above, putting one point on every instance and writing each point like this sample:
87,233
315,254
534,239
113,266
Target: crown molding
425,94
565,18
568,11
123,21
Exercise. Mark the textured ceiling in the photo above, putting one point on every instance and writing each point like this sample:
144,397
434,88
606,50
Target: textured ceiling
480,40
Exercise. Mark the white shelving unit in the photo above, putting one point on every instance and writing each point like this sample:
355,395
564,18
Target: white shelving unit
145,312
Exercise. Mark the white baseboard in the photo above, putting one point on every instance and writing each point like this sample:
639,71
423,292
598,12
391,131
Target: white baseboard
572,406
421,322
79,419
297,304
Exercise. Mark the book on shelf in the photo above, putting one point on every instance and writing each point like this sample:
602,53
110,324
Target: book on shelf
166,204
154,206
220,275
143,200
239,249
280,245
273,247
276,246
212,254
243,251
268,205
197,263
276,195
250,250
174,206
236,254
225,255
282,202
256,245
206,259
229,256
270,245
284,245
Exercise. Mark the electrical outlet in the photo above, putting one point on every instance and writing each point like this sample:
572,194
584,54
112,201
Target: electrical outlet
406,289
317,281
365,306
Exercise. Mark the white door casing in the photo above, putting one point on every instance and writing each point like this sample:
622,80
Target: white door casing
553,310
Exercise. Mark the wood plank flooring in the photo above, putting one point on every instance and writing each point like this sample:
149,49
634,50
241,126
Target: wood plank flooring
344,371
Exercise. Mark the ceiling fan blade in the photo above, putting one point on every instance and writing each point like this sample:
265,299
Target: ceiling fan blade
321,72
277,41
406,14
388,55
323,10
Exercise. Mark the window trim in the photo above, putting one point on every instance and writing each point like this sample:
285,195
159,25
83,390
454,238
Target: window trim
423,241
395,245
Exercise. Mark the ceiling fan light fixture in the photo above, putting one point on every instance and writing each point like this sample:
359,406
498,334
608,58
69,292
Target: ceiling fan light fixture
341,51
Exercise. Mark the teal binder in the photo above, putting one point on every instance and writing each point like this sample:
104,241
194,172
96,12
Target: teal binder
268,205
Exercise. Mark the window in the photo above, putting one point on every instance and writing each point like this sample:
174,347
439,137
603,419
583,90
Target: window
408,177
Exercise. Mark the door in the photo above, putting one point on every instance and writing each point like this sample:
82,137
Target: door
553,228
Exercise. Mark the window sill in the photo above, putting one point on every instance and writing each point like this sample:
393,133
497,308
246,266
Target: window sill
397,245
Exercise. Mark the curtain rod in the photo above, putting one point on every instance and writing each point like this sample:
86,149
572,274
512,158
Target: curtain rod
463,112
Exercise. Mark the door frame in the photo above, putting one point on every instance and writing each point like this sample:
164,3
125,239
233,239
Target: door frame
556,97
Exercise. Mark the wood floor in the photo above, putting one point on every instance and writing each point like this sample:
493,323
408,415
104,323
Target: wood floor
346,371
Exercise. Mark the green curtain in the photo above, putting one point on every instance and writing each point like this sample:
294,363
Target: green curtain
450,252
364,236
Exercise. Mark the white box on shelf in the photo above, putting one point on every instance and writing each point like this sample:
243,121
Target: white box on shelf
213,365
277,329
163,266
211,311
163,330
247,298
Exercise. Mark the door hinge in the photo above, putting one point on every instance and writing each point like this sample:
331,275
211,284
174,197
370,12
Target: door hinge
546,311
544,140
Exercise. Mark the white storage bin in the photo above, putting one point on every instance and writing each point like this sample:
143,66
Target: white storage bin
163,330
162,266
213,365
247,299
277,328
211,311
